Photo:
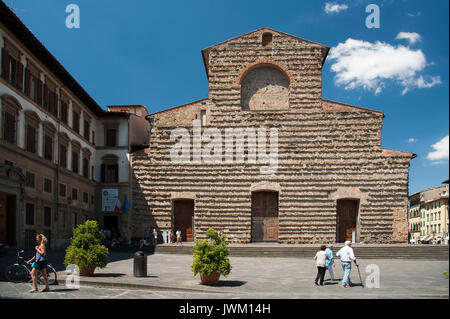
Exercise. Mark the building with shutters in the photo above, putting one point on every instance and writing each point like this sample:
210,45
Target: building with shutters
332,179
63,159
428,216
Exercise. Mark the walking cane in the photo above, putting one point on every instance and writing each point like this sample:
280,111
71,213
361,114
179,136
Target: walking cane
360,279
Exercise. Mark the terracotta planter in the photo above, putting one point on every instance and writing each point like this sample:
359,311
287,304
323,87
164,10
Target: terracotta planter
210,280
87,271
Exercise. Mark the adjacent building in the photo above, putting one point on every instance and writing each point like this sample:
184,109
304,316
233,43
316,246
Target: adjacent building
428,216
321,174
63,159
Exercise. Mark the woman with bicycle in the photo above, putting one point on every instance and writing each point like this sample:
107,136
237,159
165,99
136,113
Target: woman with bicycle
39,263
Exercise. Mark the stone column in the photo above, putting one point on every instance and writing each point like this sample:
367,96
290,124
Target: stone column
21,130
40,140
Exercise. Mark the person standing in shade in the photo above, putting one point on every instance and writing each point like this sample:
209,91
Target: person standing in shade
155,237
179,237
347,257
330,261
321,257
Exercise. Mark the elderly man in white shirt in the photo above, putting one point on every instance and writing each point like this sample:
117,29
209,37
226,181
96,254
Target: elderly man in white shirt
347,256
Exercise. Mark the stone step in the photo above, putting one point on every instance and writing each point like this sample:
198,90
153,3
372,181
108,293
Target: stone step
407,252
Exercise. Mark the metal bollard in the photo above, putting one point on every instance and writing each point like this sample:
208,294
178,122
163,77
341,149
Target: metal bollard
140,264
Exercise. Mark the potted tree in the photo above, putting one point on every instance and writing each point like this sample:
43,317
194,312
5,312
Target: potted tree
86,250
211,258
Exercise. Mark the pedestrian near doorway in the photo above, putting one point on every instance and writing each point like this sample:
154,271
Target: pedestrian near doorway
39,263
321,258
179,237
171,238
155,237
164,236
330,261
347,257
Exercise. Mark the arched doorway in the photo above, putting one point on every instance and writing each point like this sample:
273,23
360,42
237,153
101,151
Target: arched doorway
264,216
183,214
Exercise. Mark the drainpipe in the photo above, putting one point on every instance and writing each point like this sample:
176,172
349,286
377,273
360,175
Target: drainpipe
56,193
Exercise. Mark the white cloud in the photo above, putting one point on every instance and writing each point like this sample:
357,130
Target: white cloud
418,14
440,150
367,65
412,140
412,37
334,7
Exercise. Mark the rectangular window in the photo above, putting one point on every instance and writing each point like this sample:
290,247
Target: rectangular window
30,180
47,185
64,117
62,190
86,167
63,156
31,139
87,130
48,148
111,173
47,216
29,212
111,135
93,137
85,197
74,194
75,162
76,121
9,127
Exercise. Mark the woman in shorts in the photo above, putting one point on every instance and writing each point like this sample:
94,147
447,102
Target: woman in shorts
39,263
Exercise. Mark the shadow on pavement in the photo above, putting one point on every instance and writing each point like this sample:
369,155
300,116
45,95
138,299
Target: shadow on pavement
56,257
230,283
106,275
63,290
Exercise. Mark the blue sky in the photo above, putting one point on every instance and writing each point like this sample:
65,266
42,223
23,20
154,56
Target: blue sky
148,52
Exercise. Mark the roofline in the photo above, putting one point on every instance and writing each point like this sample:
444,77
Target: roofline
356,107
259,29
412,155
29,40
206,50
178,106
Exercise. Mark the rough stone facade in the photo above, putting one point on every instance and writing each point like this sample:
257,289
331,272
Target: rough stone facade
327,151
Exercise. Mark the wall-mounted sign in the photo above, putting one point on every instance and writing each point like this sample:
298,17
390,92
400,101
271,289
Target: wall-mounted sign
110,199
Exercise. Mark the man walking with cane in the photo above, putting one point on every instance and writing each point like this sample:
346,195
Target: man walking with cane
347,257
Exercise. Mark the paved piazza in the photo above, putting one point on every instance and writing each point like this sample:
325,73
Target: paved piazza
169,276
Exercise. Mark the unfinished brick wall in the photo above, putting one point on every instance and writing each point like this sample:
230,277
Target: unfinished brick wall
327,151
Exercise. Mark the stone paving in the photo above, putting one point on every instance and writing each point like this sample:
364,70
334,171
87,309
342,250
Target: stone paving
276,278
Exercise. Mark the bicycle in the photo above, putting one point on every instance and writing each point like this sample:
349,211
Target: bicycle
21,272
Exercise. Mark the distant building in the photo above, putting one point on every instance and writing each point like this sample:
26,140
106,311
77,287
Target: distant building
428,215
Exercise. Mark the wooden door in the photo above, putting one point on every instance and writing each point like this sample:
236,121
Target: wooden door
347,211
264,216
183,211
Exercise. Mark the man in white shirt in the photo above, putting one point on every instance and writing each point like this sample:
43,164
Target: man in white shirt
347,256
